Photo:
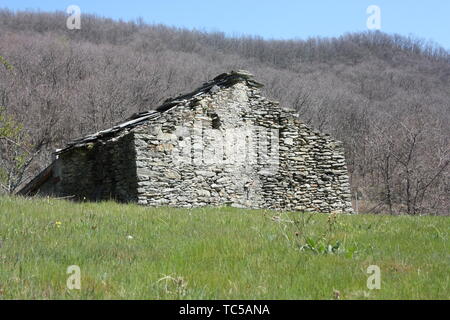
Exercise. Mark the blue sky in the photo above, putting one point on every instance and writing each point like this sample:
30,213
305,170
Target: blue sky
279,19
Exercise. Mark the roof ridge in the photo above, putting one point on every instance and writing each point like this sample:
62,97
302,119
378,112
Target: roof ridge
223,80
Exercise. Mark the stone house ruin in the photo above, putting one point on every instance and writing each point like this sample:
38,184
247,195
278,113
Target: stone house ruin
223,144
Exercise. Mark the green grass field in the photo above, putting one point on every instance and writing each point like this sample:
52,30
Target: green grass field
133,252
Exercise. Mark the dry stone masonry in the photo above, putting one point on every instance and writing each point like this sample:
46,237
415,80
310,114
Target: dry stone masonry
223,144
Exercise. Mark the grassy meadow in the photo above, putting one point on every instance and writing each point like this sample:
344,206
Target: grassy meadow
133,252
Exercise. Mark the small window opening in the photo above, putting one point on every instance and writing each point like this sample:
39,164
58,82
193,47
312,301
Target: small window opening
216,123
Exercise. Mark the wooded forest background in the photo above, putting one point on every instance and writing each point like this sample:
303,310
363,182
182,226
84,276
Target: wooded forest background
387,97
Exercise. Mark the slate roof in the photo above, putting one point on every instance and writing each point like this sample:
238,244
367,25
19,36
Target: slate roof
221,81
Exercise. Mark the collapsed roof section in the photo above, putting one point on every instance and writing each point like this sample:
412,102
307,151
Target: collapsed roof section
223,80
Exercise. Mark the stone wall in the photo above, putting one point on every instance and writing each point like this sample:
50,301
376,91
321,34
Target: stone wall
267,158
223,144
99,171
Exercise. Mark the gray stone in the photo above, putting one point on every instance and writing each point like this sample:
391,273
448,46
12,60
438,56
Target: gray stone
215,146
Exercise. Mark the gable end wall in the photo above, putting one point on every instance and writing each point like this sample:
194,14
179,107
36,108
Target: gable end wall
310,175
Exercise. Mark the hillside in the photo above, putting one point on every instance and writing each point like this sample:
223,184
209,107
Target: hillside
131,252
385,96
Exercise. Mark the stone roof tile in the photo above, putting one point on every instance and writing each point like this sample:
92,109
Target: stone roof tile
223,80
